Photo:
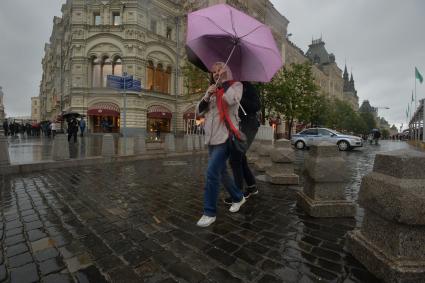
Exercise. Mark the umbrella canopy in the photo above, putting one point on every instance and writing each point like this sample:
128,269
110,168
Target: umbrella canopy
218,31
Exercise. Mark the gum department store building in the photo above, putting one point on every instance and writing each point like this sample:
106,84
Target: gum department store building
145,39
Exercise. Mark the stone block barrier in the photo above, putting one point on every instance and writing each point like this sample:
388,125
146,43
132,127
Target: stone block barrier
252,154
281,171
391,240
326,176
188,142
264,161
108,148
60,148
170,143
196,142
139,144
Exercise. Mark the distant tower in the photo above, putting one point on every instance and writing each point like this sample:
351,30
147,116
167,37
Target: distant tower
346,81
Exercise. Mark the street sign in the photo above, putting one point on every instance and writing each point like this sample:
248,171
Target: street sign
124,83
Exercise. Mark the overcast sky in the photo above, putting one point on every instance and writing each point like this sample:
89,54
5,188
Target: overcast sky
381,40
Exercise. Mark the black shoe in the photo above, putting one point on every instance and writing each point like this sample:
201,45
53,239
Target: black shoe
228,200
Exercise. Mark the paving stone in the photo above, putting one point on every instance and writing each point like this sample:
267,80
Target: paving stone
78,262
20,260
35,235
57,278
220,256
24,274
184,271
222,276
248,256
42,244
90,274
269,279
109,262
30,218
3,273
124,274
33,225
136,257
165,258
52,265
14,231
13,224
16,250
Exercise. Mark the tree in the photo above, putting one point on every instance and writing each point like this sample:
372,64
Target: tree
369,121
290,93
195,80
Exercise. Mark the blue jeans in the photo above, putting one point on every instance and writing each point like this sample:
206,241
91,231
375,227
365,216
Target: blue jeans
216,172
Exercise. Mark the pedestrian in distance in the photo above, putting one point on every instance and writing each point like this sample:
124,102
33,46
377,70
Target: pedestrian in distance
82,126
219,106
6,127
72,129
53,127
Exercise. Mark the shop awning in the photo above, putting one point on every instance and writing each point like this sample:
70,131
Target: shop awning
104,109
158,111
189,114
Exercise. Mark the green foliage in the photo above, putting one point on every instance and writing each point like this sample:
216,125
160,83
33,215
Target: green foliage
195,80
385,133
291,93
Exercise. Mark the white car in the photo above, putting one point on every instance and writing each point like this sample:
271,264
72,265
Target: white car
307,137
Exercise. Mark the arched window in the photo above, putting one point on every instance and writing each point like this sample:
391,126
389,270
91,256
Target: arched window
150,75
96,72
117,67
106,70
159,77
167,80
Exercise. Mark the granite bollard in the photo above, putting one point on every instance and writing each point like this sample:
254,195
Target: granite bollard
264,161
4,150
252,154
170,144
196,142
391,240
326,176
108,148
60,148
139,144
188,142
282,170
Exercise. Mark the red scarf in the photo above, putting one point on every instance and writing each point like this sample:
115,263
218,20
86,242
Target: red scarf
223,108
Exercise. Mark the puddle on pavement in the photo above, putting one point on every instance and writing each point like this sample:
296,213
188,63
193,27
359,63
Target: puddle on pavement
79,262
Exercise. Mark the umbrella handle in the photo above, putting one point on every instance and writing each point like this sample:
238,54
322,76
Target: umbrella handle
225,65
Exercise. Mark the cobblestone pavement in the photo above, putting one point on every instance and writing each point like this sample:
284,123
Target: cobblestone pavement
135,222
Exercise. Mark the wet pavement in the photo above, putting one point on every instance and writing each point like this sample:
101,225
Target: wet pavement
23,150
135,222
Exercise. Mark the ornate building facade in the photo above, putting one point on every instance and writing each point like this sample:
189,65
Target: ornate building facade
143,38
35,109
327,74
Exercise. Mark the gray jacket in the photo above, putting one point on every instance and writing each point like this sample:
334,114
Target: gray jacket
216,131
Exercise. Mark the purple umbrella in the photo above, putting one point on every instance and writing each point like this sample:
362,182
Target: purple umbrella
221,33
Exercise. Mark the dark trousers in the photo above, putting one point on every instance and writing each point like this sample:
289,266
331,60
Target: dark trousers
72,134
238,161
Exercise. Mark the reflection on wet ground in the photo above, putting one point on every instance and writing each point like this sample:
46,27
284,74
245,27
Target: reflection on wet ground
135,222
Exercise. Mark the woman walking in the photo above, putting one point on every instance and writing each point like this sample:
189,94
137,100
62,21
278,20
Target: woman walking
220,108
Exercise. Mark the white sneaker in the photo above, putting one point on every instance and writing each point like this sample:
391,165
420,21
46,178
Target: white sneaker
205,221
237,205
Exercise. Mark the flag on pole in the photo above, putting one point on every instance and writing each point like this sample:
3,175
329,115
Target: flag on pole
412,97
418,75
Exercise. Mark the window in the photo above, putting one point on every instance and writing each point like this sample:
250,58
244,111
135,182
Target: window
97,20
116,17
159,77
153,26
117,67
310,132
35,102
106,70
168,32
324,132
150,79
96,72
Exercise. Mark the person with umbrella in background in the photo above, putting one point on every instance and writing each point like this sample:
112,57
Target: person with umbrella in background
221,33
